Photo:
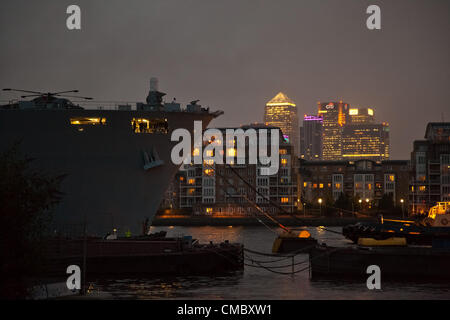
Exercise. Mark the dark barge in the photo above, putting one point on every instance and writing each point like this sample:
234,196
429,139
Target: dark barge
416,263
419,231
167,256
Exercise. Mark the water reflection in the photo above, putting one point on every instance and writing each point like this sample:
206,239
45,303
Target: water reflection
257,283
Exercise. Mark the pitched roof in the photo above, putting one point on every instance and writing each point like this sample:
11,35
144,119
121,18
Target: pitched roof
281,100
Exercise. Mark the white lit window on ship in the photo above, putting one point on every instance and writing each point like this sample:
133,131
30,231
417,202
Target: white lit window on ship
155,125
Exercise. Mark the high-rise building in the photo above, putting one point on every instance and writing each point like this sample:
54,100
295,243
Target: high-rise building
362,138
365,141
333,115
360,115
281,112
311,138
430,164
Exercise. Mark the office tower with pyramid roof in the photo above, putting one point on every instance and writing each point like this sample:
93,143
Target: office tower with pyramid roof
282,112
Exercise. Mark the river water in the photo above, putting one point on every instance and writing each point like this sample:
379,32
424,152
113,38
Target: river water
256,283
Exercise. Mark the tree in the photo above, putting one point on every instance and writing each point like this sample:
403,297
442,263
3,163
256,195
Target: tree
386,202
27,197
344,202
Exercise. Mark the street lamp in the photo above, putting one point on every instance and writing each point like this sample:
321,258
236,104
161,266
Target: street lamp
320,204
304,209
403,211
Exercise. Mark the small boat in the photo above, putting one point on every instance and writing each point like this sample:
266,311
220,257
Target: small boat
420,231
292,241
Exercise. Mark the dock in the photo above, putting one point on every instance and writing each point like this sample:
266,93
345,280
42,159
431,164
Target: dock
168,256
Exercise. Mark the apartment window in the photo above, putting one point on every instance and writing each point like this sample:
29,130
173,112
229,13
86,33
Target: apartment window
191,181
284,200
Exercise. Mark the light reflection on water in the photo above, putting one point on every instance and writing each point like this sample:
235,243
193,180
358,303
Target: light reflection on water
259,283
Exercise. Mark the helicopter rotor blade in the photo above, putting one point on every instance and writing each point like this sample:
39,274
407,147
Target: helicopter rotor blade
18,90
87,98
58,93
31,95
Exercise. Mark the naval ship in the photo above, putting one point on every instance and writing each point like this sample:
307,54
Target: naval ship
116,161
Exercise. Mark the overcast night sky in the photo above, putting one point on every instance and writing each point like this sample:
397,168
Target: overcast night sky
236,55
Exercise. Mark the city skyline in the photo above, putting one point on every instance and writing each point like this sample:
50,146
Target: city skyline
198,53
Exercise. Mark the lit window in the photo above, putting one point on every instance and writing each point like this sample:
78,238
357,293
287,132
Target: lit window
305,184
315,185
422,188
337,185
391,177
155,125
284,200
283,151
196,152
87,121
209,153
191,181
284,162
209,210
209,172
231,152
321,185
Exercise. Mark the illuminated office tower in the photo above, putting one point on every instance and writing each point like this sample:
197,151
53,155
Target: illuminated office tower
362,138
360,115
282,112
333,115
311,138
366,141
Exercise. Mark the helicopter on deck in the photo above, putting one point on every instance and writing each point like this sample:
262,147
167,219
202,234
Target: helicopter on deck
44,100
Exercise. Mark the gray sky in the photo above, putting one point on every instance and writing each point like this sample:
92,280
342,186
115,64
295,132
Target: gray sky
236,55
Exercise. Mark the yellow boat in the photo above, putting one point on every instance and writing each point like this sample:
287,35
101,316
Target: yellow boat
371,242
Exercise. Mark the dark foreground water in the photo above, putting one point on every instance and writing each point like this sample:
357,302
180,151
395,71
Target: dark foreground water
259,283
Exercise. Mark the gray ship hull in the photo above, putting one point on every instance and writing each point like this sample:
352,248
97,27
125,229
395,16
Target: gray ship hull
107,184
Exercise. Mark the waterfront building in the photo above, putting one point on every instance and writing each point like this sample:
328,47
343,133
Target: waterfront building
367,180
221,189
430,168
311,138
333,115
281,112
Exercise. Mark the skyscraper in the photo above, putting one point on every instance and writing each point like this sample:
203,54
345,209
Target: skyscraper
311,138
282,112
333,114
360,115
366,141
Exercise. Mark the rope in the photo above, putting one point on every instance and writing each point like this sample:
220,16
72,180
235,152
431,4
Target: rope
289,255
253,203
292,272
